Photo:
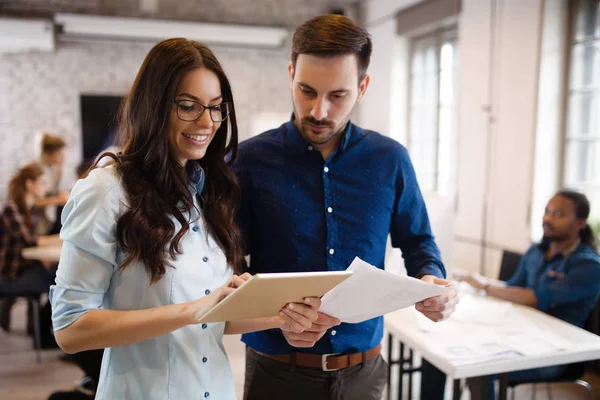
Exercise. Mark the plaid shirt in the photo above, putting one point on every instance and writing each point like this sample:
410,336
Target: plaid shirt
14,236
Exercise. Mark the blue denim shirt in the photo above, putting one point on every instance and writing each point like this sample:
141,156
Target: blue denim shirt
301,213
566,286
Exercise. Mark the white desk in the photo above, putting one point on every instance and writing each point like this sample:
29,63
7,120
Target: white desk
404,327
46,253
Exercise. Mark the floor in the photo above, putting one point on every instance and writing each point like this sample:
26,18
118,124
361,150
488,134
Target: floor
21,378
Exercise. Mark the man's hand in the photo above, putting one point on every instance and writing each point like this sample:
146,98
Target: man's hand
440,307
295,329
475,280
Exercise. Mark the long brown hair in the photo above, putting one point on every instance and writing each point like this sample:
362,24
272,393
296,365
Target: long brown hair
154,180
332,35
17,189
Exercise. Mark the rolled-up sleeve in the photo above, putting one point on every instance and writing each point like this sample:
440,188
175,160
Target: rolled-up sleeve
89,253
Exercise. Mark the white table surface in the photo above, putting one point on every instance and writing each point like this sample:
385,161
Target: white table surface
404,326
46,253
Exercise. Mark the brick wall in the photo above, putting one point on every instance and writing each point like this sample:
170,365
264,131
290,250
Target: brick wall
40,91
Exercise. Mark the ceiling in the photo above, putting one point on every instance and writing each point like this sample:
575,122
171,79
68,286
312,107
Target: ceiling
282,13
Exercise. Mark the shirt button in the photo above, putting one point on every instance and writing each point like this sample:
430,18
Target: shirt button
333,333
204,326
205,259
204,359
207,292
329,210
310,148
195,228
326,169
206,394
331,251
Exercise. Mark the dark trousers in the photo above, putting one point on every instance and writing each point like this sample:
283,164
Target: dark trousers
90,362
268,379
35,280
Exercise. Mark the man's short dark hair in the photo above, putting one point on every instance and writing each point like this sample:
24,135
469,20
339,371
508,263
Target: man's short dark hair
332,35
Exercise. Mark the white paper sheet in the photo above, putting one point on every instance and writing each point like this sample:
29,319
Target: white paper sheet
472,347
484,313
475,339
371,292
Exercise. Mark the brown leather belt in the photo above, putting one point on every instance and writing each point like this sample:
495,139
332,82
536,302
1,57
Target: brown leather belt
325,362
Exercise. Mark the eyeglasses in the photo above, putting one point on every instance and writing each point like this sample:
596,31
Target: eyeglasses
190,110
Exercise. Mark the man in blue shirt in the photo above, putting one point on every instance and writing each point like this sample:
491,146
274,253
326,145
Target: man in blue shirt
559,276
317,192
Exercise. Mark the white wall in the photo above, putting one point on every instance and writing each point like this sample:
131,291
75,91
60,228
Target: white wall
499,60
382,105
548,147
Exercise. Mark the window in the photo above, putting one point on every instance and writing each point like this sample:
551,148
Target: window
581,170
432,118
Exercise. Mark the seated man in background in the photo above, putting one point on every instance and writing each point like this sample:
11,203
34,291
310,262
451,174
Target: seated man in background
559,276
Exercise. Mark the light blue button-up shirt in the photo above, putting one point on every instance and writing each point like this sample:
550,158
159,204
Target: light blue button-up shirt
189,363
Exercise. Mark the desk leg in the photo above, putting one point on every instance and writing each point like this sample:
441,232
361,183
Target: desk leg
479,387
401,373
502,386
410,373
35,304
457,390
390,363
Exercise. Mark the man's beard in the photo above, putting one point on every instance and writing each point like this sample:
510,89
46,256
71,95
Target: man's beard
554,238
302,126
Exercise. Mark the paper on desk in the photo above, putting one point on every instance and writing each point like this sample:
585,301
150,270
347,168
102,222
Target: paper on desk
371,292
464,341
489,312
472,347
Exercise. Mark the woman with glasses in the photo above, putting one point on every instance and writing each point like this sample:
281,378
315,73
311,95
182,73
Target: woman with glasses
150,243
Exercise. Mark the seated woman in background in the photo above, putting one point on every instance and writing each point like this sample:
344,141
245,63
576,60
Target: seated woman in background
151,244
17,231
51,161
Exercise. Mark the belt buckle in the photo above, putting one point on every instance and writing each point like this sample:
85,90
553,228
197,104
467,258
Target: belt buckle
324,362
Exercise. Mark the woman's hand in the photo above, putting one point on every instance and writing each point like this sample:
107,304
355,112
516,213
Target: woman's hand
201,306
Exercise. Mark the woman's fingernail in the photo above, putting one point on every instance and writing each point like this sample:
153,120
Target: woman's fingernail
307,300
291,306
427,303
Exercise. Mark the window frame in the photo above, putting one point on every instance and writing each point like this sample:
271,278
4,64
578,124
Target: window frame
566,136
440,36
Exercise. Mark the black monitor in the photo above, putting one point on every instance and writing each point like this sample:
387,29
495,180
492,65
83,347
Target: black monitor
98,123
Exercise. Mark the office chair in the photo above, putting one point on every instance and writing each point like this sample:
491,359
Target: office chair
508,265
34,300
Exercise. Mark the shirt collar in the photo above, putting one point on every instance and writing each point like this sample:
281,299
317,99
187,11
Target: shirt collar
196,177
570,250
351,134
565,253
